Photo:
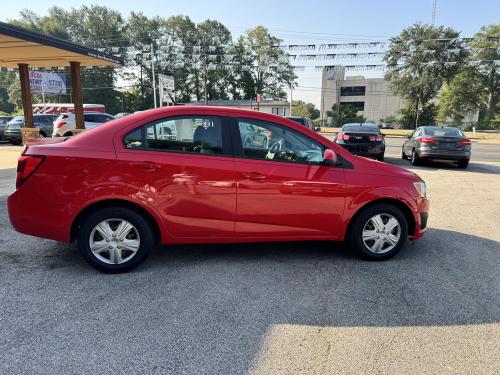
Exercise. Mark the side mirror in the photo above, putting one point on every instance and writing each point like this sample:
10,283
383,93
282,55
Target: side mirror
317,129
330,157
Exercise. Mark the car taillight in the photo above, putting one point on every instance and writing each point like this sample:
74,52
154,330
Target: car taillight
375,138
59,124
426,140
343,137
464,142
26,166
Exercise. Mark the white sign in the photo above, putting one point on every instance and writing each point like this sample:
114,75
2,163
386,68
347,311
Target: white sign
167,88
47,83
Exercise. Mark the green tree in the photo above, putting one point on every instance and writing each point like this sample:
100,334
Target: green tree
261,66
419,60
303,109
462,95
93,26
343,114
477,86
427,116
6,79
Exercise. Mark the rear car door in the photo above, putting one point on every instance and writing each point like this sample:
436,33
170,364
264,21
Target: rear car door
183,167
283,188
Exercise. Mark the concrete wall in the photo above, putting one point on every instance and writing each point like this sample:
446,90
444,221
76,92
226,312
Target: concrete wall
379,101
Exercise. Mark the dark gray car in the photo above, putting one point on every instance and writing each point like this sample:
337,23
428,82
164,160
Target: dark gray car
13,130
3,124
437,143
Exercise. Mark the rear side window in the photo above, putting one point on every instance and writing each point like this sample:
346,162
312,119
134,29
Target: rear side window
200,135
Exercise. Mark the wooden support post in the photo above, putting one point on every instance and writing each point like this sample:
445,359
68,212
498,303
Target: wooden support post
77,95
28,131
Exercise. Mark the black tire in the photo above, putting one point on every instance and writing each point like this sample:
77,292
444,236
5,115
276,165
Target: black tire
380,157
463,164
142,226
415,159
16,143
42,135
355,236
403,155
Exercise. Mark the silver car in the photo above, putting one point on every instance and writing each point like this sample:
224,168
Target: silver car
437,143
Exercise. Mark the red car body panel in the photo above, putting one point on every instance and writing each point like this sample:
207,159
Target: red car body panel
196,198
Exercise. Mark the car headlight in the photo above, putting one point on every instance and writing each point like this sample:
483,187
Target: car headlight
421,188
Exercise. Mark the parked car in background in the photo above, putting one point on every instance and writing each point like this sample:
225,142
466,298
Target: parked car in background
363,139
437,143
3,124
13,130
304,121
123,186
387,126
121,114
66,123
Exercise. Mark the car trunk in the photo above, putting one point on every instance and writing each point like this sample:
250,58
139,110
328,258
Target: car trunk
447,143
358,137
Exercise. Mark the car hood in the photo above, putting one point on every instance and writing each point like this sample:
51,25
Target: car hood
370,166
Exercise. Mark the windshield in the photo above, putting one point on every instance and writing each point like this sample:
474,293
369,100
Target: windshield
16,120
443,132
360,128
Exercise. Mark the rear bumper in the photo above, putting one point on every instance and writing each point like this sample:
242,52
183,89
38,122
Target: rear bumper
32,214
364,149
444,154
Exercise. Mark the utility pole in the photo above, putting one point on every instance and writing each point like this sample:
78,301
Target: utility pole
291,100
153,73
433,12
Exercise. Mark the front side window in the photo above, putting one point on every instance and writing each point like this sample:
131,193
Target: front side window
269,141
201,135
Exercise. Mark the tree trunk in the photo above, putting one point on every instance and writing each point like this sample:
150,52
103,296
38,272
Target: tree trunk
492,98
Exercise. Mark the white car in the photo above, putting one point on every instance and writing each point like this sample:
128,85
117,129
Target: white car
65,123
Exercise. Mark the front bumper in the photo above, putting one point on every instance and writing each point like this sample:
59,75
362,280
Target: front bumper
13,136
421,218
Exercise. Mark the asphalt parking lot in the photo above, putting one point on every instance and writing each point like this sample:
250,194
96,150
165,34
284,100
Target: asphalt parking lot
268,308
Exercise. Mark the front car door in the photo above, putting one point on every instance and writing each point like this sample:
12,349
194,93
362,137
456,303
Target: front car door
184,168
284,191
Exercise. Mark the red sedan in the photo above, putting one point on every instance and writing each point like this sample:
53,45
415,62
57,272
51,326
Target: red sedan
210,175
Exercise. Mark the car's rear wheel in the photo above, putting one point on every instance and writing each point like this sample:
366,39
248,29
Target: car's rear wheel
415,159
380,157
115,239
379,232
463,164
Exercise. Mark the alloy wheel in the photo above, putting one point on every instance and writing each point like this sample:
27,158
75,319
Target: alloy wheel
114,241
381,233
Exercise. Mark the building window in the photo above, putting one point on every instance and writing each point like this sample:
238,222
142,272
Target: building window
353,91
360,106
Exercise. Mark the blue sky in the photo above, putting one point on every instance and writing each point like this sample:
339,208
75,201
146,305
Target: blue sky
310,21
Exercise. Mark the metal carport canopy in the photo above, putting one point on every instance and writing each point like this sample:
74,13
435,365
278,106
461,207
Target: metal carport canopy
24,49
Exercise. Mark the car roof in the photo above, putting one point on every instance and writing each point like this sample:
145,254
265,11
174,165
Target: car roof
103,133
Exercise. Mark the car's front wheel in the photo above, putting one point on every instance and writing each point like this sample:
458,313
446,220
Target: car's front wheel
379,232
115,239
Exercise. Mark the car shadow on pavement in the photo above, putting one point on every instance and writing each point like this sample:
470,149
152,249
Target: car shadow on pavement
208,307
475,167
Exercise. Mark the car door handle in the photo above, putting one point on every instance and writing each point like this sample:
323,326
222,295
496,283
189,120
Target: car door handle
255,176
147,166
